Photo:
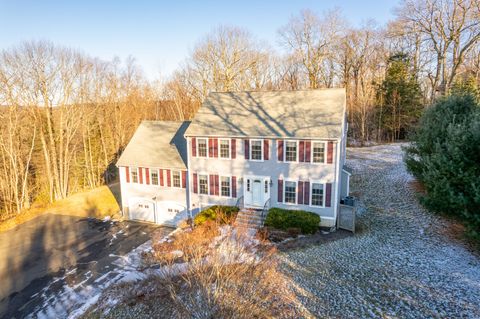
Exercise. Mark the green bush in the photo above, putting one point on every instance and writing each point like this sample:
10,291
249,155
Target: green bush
284,219
445,157
218,213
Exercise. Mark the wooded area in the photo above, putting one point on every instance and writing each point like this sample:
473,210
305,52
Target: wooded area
66,116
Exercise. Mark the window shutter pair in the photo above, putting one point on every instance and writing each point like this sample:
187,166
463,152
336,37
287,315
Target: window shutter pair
213,147
304,152
214,187
303,193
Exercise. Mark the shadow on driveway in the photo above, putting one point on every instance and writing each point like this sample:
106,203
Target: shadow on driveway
44,254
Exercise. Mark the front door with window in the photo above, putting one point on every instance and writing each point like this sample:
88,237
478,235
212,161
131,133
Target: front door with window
256,191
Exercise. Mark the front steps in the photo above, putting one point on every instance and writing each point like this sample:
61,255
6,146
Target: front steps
249,219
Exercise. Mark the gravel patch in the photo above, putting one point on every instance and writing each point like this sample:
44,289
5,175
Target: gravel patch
398,264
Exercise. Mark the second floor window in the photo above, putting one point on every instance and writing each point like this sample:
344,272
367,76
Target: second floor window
318,152
225,185
134,175
176,179
290,192
203,184
290,151
256,150
224,148
202,147
154,176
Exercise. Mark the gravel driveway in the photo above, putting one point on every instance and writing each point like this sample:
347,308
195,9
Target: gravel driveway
399,264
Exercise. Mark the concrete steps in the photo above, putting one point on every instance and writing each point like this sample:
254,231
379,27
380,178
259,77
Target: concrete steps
249,218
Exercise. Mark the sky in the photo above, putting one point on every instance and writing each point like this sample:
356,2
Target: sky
161,34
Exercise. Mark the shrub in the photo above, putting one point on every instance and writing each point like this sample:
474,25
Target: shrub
284,219
445,156
217,213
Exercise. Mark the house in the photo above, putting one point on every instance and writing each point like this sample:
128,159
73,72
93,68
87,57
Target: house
253,149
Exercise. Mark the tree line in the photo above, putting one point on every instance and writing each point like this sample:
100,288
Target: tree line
66,116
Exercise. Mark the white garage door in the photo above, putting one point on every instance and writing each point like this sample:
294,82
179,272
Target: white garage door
171,213
142,209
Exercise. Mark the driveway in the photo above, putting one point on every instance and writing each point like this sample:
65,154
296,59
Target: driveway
40,258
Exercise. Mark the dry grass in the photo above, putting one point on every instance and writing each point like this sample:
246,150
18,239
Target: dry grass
98,203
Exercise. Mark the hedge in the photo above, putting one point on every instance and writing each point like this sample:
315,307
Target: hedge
284,219
211,212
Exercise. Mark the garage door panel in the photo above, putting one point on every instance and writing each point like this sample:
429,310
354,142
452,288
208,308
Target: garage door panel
171,213
143,210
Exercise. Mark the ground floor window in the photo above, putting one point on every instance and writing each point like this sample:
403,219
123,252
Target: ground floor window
317,194
225,186
290,192
176,179
203,184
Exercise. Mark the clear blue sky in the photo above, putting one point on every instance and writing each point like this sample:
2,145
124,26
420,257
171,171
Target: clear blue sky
160,34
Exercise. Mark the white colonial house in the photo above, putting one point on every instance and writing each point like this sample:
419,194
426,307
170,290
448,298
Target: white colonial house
252,149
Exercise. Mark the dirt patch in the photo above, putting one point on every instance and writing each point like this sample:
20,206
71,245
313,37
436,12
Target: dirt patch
318,238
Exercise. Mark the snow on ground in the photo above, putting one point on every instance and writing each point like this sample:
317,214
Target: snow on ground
399,264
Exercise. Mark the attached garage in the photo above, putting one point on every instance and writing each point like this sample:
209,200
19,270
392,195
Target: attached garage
170,213
142,210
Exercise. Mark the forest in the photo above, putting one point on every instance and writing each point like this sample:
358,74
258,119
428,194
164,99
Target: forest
66,116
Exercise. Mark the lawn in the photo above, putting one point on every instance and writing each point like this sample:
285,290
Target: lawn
98,203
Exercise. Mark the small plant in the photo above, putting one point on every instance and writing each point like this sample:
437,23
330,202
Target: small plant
286,219
217,213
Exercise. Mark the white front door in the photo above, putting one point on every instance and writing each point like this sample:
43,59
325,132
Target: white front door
256,191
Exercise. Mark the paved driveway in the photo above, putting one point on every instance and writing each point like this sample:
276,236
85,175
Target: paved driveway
40,257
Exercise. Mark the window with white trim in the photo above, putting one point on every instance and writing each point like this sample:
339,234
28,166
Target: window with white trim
256,150
154,176
176,179
318,152
290,192
290,151
317,194
202,147
134,174
224,148
203,184
225,186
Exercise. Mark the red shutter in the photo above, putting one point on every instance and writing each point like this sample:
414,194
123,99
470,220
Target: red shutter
127,173
330,153
211,179
306,193
280,150
147,176
301,151
210,147
233,146
234,186
217,187
215,147
184,179
195,183
140,175
280,191
328,195
169,177
194,147
161,177
308,150
300,192
247,149
266,149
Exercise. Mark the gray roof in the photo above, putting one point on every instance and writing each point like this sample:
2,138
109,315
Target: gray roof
157,144
305,114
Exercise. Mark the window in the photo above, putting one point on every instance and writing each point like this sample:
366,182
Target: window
202,147
154,176
290,151
317,194
203,184
225,186
134,175
176,179
224,148
318,152
256,150
290,192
